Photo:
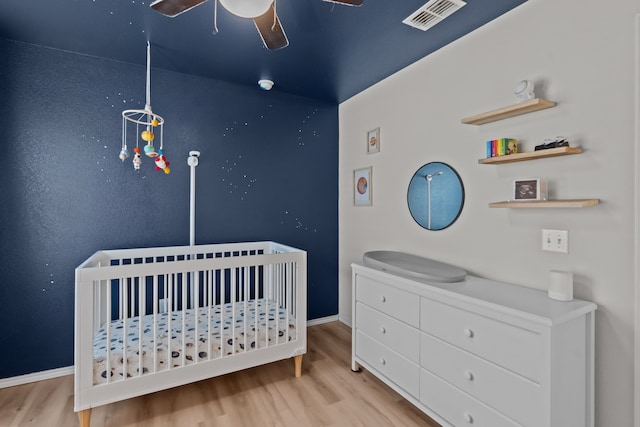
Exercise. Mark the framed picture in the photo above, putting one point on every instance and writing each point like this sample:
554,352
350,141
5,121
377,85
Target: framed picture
529,189
362,186
373,141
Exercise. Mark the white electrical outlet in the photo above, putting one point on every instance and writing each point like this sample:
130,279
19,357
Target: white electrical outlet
555,241
162,305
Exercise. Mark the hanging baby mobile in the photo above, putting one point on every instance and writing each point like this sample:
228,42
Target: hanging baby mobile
148,127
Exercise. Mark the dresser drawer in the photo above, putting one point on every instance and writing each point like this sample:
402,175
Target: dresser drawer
396,368
402,305
510,394
514,348
457,407
394,334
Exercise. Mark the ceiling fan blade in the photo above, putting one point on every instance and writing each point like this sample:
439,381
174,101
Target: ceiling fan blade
173,8
272,33
347,2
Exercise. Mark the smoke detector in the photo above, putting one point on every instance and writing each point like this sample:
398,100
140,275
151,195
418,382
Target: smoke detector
432,12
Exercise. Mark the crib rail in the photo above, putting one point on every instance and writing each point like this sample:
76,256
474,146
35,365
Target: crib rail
253,294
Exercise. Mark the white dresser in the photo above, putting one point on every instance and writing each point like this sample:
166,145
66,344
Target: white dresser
476,353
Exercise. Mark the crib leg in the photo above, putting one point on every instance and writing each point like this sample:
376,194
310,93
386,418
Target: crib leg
85,417
298,362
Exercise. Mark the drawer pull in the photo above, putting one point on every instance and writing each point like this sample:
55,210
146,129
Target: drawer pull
383,330
383,299
468,375
468,333
382,361
468,418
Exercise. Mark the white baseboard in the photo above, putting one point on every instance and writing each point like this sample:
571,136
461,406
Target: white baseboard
345,321
36,376
322,320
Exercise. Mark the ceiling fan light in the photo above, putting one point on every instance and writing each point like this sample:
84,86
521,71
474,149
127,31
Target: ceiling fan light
246,8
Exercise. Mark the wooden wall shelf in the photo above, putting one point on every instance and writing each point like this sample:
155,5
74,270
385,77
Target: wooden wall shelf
510,111
521,157
567,203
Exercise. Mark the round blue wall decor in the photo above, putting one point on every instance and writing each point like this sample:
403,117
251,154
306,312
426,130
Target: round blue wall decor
435,196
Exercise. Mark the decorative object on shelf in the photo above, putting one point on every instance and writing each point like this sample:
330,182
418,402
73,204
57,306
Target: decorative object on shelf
373,141
501,147
151,124
435,196
529,189
558,141
524,91
362,186
561,285
525,107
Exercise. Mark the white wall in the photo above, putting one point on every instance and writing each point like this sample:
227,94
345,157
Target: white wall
580,56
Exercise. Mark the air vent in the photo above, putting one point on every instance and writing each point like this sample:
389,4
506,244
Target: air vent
432,13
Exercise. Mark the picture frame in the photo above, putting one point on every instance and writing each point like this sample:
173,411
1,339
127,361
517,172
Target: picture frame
373,141
531,189
362,188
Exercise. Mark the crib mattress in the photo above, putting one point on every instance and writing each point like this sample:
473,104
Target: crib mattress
228,330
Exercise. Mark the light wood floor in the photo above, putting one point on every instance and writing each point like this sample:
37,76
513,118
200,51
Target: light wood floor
327,394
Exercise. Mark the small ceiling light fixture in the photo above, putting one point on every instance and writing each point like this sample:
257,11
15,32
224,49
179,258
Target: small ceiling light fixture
265,84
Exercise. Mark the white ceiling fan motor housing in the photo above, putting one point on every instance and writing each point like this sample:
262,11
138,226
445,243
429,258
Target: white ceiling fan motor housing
247,8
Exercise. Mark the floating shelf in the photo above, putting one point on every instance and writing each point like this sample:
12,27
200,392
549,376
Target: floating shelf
510,111
568,203
521,157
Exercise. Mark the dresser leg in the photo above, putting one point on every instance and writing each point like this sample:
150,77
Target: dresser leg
298,362
85,417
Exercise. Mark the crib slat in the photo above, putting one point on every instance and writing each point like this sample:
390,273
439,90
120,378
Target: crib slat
183,311
269,295
196,309
210,301
125,300
233,310
170,288
223,300
256,334
141,310
155,303
108,343
245,292
287,304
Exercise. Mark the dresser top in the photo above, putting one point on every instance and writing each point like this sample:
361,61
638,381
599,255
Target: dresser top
528,303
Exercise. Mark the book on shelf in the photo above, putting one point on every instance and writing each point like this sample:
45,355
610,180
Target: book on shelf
501,147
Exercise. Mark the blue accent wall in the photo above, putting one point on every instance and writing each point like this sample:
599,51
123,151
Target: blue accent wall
268,171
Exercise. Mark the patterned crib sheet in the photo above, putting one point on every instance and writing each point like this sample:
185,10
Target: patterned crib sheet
212,340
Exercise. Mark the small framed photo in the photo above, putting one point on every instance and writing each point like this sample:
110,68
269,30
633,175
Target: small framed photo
529,189
373,141
362,186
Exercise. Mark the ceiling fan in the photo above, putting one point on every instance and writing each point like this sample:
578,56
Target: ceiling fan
263,13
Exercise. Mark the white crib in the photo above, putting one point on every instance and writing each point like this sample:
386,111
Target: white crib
155,318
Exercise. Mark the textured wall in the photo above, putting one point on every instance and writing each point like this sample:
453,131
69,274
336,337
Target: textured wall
268,171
